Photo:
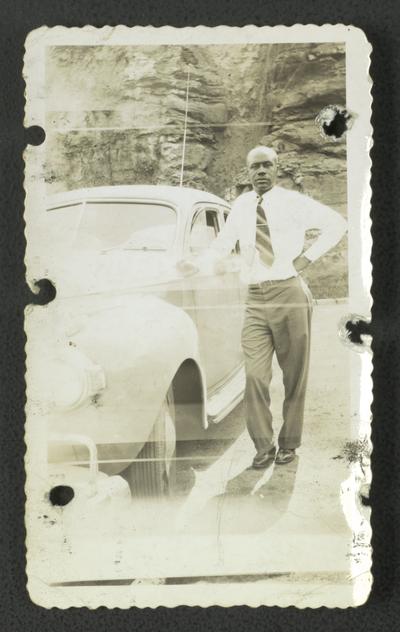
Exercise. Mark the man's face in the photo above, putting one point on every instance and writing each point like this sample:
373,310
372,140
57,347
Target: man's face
262,164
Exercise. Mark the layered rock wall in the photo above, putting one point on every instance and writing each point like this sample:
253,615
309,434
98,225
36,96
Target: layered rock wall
116,116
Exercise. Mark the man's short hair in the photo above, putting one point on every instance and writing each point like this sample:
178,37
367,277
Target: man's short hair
271,150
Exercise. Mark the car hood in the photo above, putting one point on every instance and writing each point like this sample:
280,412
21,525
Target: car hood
111,272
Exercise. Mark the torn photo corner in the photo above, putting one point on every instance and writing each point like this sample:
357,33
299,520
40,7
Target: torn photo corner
199,388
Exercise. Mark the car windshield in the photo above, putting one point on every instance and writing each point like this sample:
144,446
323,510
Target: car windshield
107,226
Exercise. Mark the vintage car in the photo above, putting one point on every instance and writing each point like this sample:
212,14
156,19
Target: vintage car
144,353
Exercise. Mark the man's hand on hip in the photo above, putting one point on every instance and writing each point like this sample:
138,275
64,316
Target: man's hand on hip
301,262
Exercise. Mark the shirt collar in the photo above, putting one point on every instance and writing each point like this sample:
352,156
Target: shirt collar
264,195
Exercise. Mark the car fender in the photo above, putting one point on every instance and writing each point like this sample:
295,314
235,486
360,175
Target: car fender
141,344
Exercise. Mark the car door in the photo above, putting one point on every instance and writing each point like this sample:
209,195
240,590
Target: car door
217,311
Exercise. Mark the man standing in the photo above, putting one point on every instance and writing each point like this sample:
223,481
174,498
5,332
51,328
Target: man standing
270,224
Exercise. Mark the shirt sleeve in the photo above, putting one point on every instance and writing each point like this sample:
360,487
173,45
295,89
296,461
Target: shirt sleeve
222,245
331,224
226,240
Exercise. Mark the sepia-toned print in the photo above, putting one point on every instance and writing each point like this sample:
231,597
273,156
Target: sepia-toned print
198,407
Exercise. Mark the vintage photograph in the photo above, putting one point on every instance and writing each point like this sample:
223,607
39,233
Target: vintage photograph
197,415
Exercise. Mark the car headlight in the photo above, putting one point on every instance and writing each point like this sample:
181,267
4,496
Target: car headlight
73,379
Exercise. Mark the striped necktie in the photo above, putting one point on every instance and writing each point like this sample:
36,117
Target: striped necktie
263,236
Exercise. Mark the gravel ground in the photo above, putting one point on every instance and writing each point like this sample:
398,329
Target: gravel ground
283,527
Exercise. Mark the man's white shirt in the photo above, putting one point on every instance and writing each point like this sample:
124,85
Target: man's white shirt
289,215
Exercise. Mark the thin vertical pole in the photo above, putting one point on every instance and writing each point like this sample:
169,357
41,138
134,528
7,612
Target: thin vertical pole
185,128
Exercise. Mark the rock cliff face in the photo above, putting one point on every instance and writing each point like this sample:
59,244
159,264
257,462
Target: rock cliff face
116,116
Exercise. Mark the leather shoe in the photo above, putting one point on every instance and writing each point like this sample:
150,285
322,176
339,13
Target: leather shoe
285,456
261,461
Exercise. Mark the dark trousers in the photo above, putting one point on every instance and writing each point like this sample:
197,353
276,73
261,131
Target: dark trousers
277,319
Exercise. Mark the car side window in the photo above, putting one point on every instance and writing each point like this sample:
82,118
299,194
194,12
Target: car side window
236,249
205,228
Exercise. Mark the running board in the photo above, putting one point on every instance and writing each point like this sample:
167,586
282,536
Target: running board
226,398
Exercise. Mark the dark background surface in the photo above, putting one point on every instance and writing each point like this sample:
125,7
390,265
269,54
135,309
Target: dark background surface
380,22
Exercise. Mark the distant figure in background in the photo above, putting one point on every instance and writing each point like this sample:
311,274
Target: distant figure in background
270,223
